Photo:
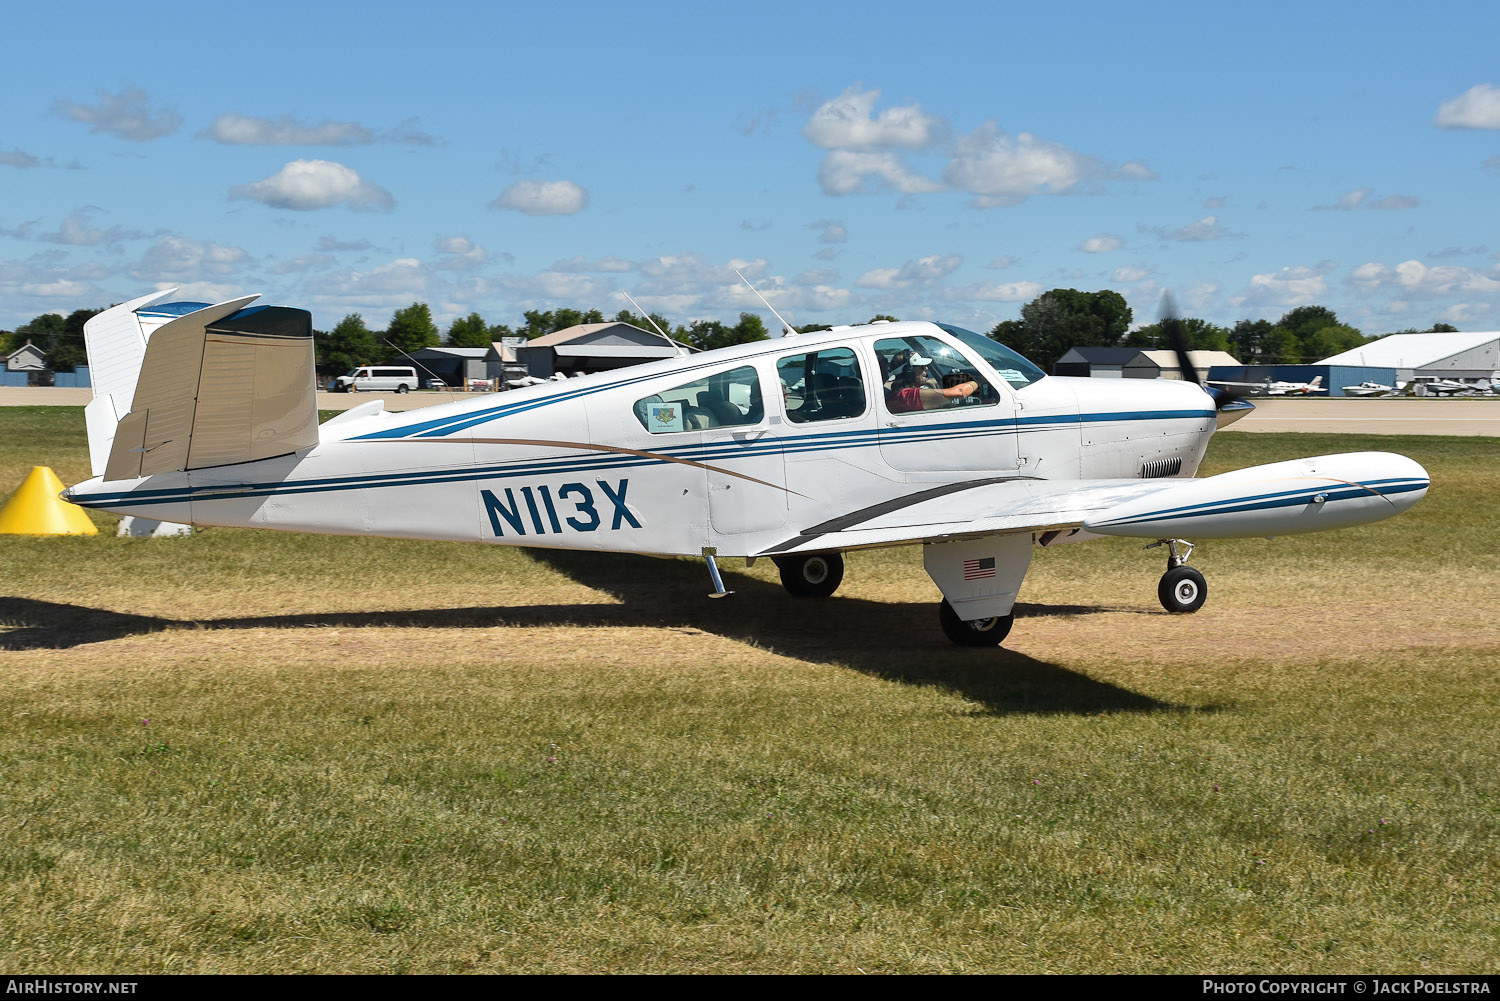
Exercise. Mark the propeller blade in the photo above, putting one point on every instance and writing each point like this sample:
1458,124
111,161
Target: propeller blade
1176,334
1175,331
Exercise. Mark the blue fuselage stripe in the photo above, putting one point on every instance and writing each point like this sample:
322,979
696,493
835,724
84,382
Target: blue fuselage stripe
698,452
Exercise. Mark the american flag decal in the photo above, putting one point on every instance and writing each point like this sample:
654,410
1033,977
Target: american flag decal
975,569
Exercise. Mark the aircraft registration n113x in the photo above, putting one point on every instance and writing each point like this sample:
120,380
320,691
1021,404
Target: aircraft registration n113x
797,449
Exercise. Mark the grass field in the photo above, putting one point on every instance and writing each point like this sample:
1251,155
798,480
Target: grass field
249,752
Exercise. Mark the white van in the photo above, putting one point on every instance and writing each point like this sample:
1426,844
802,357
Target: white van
377,379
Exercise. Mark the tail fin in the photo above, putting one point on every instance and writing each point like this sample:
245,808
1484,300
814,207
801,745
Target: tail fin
1316,382
187,385
116,343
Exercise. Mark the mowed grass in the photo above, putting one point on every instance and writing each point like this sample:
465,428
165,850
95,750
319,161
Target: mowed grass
250,752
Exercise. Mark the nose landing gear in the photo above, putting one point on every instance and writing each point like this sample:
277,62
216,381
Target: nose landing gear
1181,589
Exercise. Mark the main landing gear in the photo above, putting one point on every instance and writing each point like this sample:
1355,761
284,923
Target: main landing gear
1182,589
811,575
974,632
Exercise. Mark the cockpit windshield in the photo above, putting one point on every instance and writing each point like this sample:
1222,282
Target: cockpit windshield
1012,367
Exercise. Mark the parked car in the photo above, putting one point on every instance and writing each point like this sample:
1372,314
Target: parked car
377,379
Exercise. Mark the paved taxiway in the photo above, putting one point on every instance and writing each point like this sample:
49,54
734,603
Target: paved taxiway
1399,416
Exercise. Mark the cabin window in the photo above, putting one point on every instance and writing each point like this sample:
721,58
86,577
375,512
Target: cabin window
722,400
924,373
821,386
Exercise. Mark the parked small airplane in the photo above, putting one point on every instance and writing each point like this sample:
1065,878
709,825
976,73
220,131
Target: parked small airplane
1368,389
797,448
1276,388
1451,387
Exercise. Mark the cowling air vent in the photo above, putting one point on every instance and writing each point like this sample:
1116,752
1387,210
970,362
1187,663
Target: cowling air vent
1169,465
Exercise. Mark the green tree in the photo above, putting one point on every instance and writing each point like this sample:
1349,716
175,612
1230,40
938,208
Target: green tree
1199,333
1443,328
44,331
1328,341
469,332
347,346
539,323
709,334
643,322
1247,339
1057,321
412,329
68,351
1280,347
1304,321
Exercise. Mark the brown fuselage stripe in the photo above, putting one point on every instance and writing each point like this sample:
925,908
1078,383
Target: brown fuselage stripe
592,447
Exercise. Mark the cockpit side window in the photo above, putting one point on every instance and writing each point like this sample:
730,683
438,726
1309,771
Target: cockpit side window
822,385
924,373
1013,368
722,400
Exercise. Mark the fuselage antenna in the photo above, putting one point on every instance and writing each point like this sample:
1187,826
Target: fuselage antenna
677,349
787,329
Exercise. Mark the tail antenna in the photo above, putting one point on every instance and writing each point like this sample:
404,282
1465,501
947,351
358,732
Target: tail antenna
787,328
676,348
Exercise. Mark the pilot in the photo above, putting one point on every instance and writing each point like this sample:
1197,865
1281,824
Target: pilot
919,363
910,395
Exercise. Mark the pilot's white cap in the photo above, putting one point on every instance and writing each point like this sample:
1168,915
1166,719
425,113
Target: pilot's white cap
920,359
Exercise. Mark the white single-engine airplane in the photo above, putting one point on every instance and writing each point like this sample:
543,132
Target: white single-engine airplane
1276,388
1369,389
796,449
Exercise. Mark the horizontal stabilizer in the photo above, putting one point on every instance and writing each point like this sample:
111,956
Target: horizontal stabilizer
220,385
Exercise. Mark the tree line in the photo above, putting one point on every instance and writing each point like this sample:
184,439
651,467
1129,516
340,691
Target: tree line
1057,321
1049,327
352,343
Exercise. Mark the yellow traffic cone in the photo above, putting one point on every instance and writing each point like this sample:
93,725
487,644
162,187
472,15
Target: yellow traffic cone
35,509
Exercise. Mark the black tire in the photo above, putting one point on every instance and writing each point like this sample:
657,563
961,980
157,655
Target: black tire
813,575
978,632
1182,590
402,388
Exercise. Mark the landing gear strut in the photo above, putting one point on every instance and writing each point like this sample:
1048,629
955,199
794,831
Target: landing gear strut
811,575
1182,589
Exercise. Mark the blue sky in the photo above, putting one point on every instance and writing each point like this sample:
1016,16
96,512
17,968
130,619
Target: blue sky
941,160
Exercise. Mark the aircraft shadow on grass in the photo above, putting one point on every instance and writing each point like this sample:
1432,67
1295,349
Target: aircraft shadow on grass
891,641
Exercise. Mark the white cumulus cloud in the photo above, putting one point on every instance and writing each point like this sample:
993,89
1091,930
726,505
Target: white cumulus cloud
1129,273
1297,285
543,198
922,271
304,185
243,130
847,122
999,292
1101,244
1000,169
1413,278
1207,228
126,114
848,172
460,253
830,231
179,259
1476,108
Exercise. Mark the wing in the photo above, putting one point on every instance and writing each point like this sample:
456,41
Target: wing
969,510
1281,498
